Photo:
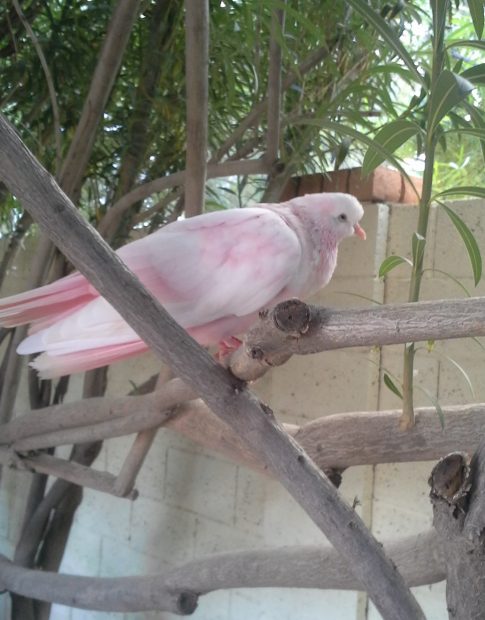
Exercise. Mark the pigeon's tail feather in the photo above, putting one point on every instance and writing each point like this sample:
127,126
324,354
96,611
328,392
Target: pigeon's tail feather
47,303
52,366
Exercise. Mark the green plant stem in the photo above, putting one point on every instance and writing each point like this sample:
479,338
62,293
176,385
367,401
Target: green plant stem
407,418
439,17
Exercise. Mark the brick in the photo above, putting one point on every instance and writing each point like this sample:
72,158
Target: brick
60,612
381,185
338,181
162,531
250,499
214,537
288,604
450,254
121,560
104,514
201,484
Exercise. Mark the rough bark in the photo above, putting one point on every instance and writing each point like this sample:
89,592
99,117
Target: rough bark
294,327
419,559
274,86
227,396
457,495
197,103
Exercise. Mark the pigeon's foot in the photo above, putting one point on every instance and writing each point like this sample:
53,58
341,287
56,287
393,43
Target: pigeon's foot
226,347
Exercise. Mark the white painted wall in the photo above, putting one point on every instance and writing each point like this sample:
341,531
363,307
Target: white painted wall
194,503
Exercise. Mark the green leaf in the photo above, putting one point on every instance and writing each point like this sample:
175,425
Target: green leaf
478,122
418,244
468,131
439,9
436,404
463,372
390,263
467,43
389,383
357,135
450,89
387,33
475,74
469,241
390,137
476,11
455,280
465,190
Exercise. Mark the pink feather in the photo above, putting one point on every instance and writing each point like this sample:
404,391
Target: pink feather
213,273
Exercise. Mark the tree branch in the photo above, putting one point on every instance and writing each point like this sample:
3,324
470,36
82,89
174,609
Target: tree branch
274,86
419,558
226,169
294,327
260,108
224,394
197,106
109,62
49,81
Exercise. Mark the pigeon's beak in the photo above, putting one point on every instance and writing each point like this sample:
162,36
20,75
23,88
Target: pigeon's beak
360,232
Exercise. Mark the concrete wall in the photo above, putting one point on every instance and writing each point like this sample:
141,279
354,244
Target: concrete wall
193,503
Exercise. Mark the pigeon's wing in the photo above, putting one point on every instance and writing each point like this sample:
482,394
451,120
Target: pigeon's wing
227,263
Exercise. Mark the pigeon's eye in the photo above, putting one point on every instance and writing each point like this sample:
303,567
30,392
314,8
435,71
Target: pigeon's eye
342,217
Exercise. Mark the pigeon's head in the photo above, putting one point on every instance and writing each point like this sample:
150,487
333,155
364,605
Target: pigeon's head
346,212
337,213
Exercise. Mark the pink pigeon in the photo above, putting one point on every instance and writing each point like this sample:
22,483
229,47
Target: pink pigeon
213,273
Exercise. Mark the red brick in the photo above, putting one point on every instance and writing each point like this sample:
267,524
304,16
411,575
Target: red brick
382,184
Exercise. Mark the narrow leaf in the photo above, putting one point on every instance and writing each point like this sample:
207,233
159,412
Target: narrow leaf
361,137
455,280
464,190
389,383
390,137
478,122
469,241
450,89
475,74
464,374
418,244
476,11
468,131
390,37
389,263
436,404
467,43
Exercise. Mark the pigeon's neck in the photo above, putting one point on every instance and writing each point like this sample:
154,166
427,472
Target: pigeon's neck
318,243
316,230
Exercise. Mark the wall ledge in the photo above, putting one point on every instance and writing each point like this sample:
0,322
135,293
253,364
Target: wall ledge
381,185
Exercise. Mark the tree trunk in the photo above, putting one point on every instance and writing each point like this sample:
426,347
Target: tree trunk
458,496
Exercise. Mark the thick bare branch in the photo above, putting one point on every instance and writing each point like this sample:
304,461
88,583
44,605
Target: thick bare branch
226,169
125,481
223,393
274,86
457,491
330,441
67,470
293,327
197,106
419,558
92,411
